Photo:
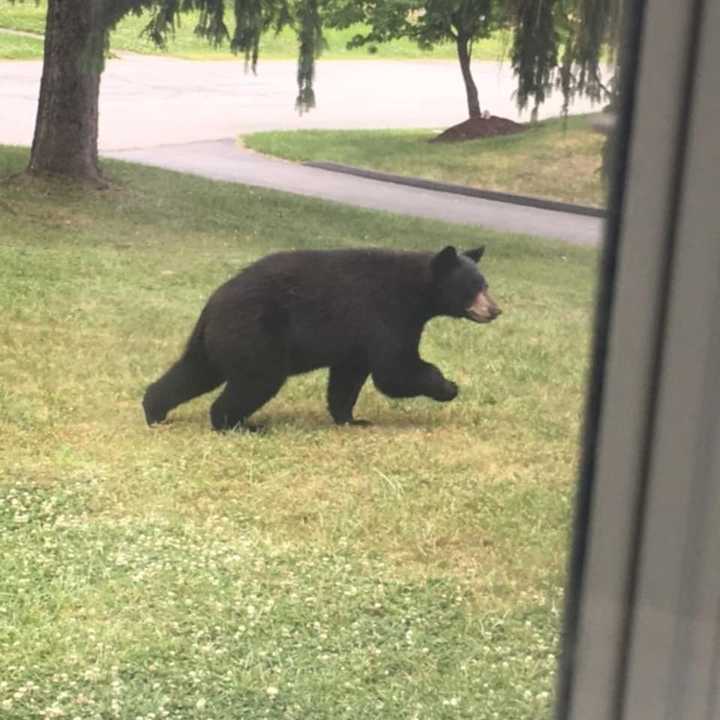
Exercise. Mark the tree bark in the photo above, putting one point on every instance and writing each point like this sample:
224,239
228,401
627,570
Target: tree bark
462,43
66,128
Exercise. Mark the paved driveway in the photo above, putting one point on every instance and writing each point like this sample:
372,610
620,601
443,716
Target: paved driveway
152,108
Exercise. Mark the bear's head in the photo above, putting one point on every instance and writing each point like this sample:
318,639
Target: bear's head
459,289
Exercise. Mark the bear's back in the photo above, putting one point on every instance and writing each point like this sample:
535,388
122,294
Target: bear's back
332,282
320,307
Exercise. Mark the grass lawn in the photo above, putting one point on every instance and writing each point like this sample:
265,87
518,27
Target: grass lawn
20,47
413,569
30,16
554,159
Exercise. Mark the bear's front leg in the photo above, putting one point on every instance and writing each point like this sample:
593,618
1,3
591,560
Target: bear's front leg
344,386
420,378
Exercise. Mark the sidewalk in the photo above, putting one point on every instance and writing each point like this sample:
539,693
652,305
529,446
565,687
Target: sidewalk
224,160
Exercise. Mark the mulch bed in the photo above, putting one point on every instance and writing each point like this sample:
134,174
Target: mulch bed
479,127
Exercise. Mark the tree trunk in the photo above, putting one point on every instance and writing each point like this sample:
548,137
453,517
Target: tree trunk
66,128
463,50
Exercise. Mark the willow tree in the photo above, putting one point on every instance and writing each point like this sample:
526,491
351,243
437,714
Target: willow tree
599,28
560,44
76,43
428,23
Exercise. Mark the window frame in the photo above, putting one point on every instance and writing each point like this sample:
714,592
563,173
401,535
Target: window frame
641,635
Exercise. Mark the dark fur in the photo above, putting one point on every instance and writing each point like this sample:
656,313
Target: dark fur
358,312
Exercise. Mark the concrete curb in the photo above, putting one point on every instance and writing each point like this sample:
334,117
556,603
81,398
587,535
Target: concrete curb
460,189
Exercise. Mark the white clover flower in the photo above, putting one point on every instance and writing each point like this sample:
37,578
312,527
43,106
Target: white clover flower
53,712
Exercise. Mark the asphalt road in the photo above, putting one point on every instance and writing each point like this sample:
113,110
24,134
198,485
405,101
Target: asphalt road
163,112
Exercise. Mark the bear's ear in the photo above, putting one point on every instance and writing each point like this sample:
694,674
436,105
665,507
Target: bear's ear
444,261
475,254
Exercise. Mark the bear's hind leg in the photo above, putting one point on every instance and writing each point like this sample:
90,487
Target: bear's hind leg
186,379
344,386
241,397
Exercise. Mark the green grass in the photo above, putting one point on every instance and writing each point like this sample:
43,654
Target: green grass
555,159
19,47
30,17
411,569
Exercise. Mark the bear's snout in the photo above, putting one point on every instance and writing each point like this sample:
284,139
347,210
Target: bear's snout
483,309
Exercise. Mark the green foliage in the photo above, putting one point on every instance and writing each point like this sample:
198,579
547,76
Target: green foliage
598,28
310,36
426,22
535,49
561,44
252,19
556,43
183,42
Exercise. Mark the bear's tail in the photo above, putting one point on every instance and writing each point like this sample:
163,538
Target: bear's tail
190,376
195,345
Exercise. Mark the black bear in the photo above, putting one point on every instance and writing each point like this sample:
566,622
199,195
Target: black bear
357,312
